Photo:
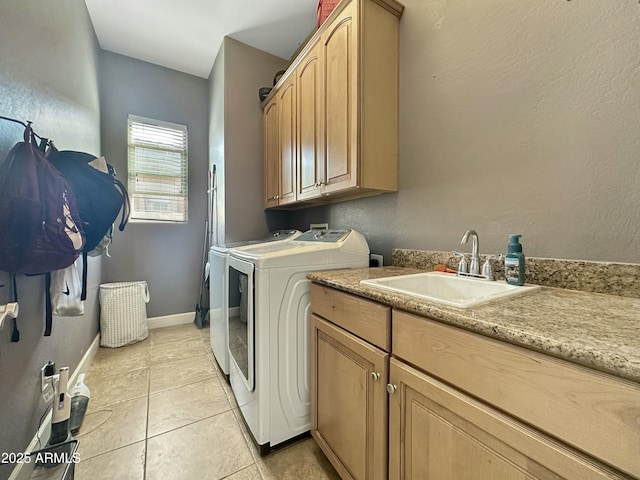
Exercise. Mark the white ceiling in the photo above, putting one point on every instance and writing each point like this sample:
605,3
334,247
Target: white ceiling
185,35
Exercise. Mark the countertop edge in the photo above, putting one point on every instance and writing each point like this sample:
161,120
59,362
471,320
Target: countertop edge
603,358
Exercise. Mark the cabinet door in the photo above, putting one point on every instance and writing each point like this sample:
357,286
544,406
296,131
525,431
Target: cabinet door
349,401
271,154
436,432
340,57
288,140
310,124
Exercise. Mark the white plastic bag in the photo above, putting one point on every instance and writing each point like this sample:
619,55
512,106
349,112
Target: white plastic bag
65,291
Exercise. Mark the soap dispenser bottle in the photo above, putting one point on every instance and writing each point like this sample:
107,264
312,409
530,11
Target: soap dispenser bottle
514,262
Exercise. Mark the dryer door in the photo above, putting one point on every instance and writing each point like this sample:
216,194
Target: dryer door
218,308
242,320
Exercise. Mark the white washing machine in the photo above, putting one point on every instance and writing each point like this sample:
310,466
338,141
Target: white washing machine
269,342
219,292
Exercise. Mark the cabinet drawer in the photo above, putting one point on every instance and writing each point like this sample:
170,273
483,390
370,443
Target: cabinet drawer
364,318
594,412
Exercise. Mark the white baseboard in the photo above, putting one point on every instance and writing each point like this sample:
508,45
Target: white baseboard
86,361
45,428
171,320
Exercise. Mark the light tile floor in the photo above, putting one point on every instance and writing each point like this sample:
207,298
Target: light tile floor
161,410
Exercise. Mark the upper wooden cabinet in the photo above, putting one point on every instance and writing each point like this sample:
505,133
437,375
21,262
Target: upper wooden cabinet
271,154
280,144
341,74
346,116
287,101
310,124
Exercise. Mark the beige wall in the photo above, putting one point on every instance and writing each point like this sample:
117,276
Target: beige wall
515,117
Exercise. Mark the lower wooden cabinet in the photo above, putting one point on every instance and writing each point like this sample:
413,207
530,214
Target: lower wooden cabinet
349,410
437,433
400,396
580,408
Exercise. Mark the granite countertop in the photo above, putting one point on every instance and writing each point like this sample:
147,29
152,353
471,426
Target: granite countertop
591,329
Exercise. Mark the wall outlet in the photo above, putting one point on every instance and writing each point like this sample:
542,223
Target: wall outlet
46,375
318,226
376,260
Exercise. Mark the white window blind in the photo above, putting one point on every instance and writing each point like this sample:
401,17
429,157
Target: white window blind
157,161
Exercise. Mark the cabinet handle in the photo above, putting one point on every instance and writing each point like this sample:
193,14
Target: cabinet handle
273,198
391,389
375,376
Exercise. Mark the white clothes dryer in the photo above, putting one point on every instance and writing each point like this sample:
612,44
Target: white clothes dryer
219,292
269,348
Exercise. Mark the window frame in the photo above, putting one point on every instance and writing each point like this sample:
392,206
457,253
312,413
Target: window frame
138,215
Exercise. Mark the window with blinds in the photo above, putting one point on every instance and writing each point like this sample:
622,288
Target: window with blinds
157,162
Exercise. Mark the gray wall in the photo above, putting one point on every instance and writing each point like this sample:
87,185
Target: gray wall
48,74
167,256
216,146
236,140
515,117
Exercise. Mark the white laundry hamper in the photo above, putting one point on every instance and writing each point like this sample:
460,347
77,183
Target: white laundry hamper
123,313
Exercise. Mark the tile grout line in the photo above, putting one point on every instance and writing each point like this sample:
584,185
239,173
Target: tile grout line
210,362
218,375
229,394
213,375
189,424
247,439
156,363
146,427
105,408
231,409
146,440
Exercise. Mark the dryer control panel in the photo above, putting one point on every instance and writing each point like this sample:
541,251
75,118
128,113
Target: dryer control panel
327,236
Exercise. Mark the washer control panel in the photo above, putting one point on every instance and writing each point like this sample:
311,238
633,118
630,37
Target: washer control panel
327,236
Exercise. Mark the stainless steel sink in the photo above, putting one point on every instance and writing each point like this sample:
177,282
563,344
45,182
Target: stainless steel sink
449,289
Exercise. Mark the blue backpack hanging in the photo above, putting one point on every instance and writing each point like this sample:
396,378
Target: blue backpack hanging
100,196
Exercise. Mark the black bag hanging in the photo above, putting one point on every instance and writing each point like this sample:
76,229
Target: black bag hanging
100,196
39,220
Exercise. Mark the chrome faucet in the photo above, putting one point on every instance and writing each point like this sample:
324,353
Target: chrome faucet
487,267
462,265
474,266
